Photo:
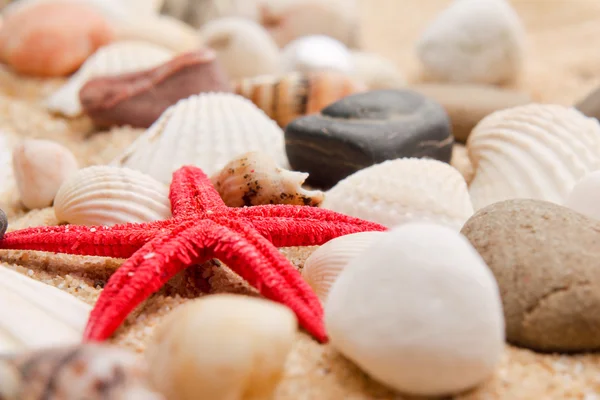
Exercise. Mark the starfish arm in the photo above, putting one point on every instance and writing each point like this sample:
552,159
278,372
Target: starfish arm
304,226
117,241
191,192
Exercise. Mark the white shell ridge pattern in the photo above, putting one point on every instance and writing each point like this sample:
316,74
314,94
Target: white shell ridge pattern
116,58
404,190
106,195
206,130
535,151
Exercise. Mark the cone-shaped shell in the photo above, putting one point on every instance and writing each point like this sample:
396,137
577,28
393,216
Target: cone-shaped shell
285,98
324,265
35,315
206,130
254,178
535,151
105,195
404,190
114,59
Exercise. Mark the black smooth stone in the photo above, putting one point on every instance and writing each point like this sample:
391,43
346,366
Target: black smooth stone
590,105
365,129
3,223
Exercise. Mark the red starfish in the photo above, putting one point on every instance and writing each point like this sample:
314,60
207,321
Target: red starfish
202,227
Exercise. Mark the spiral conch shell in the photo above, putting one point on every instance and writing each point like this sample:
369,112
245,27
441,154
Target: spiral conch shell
404,190
324,265
285,98
105,195
254,179
205,130
114,59
535,151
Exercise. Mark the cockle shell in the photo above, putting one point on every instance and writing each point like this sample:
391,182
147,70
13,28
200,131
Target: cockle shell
376,71
316,53
403,190
206,130
535,151
34,314
105,195
114,59
254,179
285,98
324,265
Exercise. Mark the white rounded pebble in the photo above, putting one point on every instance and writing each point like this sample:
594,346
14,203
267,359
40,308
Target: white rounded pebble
419,311
473,41
585,196
316,53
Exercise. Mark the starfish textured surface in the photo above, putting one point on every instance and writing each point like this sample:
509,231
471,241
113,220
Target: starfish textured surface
202,227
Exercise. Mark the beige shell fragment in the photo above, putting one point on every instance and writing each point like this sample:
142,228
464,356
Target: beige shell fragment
113,59
105,195
254,179
404,190
535,151
324,265
35,315
205,130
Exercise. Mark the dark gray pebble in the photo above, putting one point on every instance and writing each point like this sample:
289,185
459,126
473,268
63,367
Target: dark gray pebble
365,129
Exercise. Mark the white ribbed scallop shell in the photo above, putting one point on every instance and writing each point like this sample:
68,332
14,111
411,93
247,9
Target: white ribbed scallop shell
324,265
206,130
114,59
105,195
536,151
36,315
404,190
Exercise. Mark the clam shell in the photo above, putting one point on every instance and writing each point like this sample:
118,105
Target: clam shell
114,59
105,195
205,130
535,151
324,265
285,98
254,179
35,315
404,190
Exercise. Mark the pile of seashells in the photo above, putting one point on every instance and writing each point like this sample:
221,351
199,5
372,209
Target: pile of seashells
421,308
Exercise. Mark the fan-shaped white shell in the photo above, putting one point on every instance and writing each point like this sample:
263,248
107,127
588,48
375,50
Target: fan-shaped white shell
114,59
536,151
206,130
324,265
404,190
105,195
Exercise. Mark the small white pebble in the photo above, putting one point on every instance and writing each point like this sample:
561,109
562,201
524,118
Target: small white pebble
316,53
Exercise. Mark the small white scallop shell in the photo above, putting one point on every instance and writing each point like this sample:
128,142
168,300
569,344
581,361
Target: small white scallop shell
376,71
205,130
113,59
255,179
403,190
534,151
324,265
316,53
105,195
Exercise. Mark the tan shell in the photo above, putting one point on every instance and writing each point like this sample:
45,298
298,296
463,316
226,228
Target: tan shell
294,95
35,315
404,190
324,265
254,179
113,59
206,130
535,151
105,195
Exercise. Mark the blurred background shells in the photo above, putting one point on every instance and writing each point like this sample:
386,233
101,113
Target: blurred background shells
105,195
206,130
535,151
316,53
376,71
404,190
8,194
287,97
254,179
114,59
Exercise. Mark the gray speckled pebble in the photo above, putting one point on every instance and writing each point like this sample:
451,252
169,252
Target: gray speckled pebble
365,129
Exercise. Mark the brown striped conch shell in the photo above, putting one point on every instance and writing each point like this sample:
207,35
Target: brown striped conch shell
285,98
534,151
254,178
105,195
